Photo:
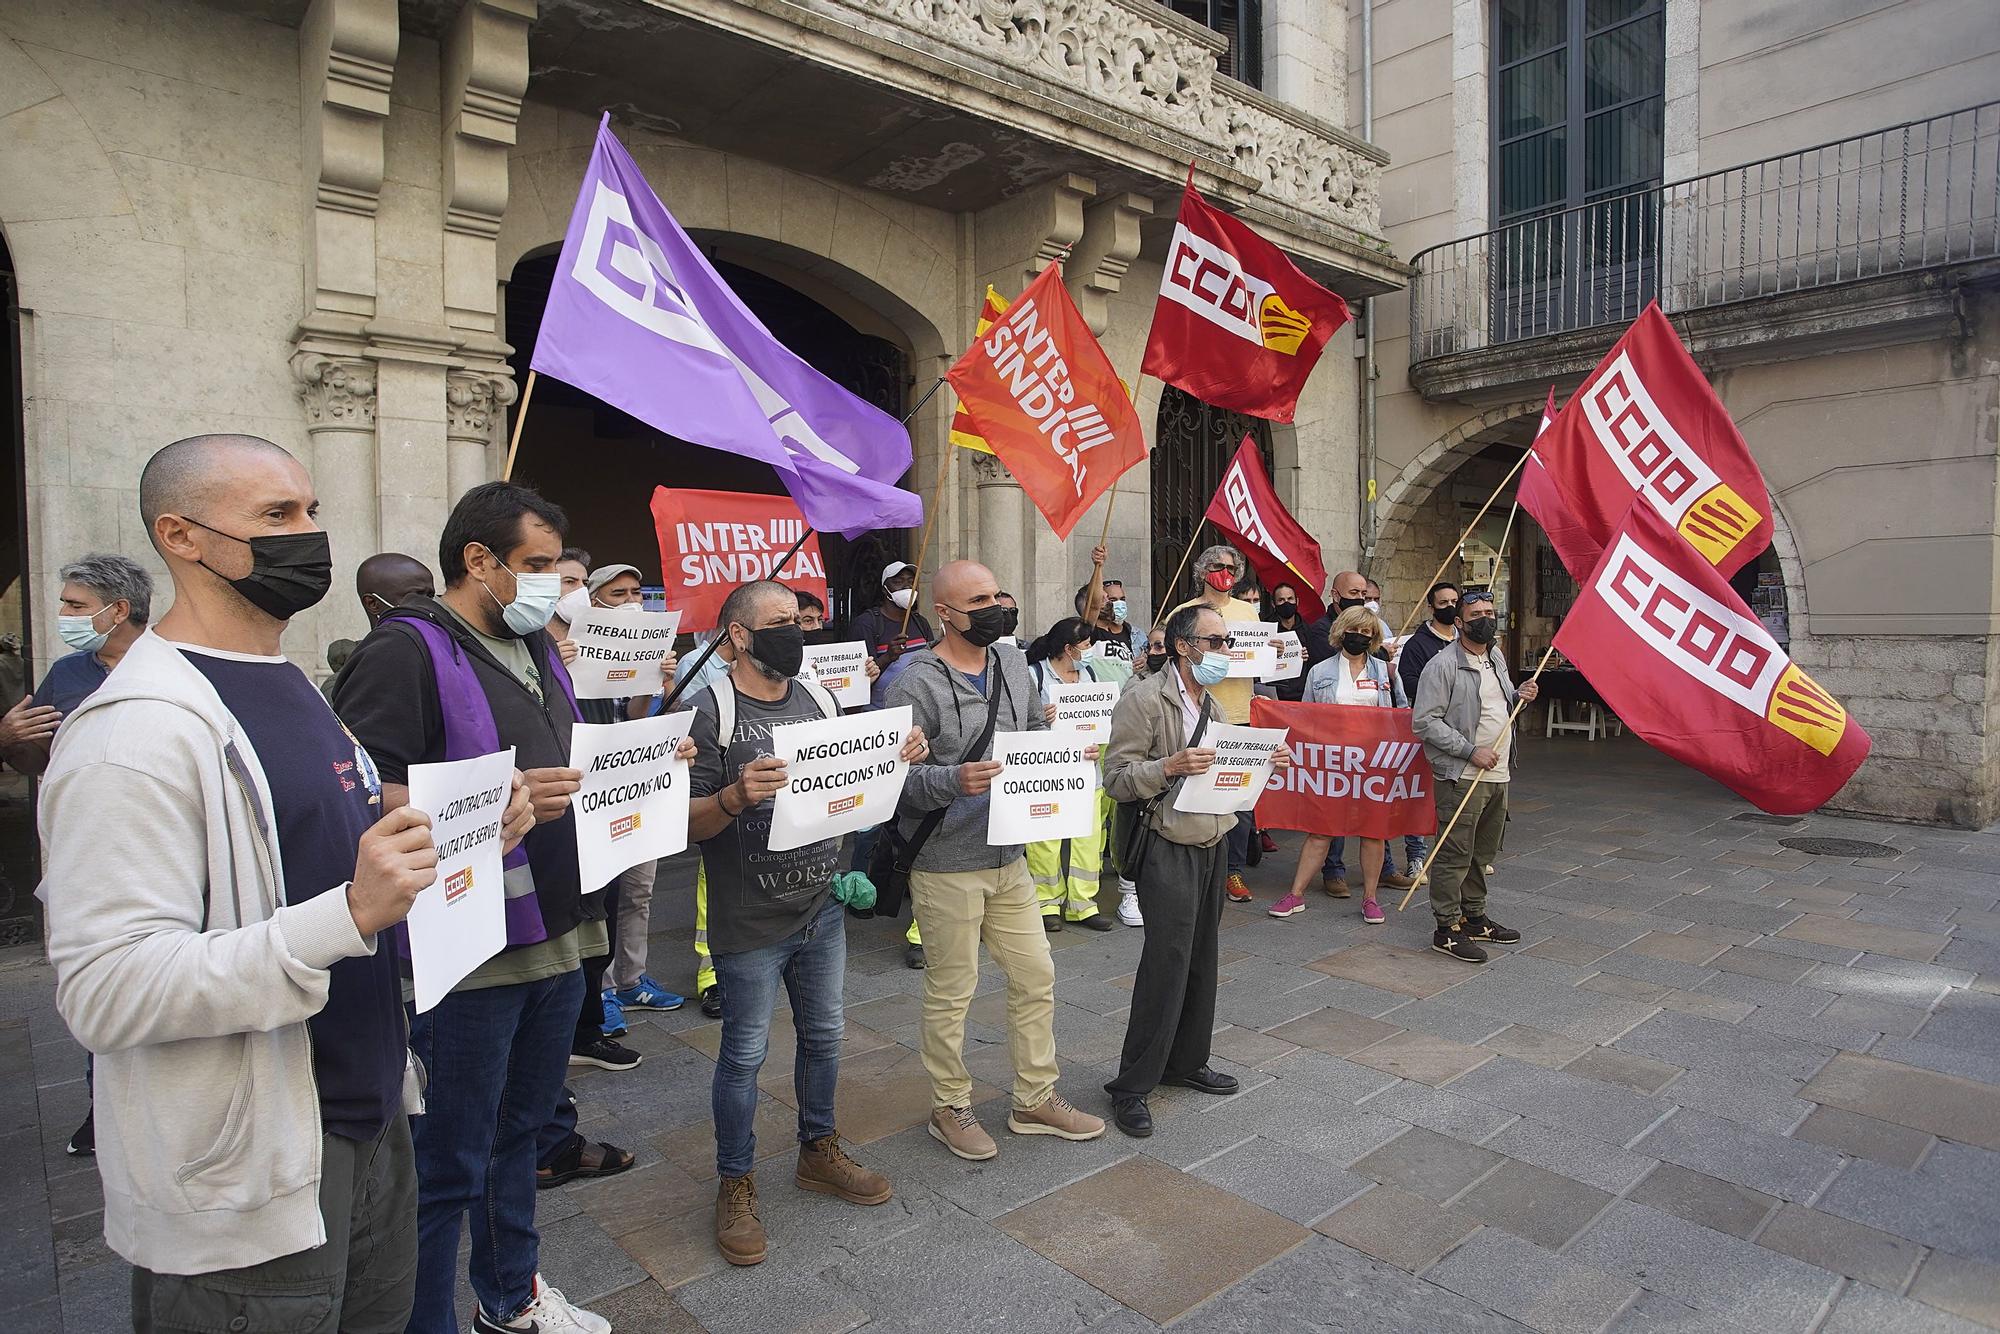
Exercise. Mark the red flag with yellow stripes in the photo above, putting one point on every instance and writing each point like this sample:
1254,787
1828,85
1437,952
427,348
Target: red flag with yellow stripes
963,432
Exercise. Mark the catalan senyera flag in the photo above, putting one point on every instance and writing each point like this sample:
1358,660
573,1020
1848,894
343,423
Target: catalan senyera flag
963,433
1538,495
1237,325
1647,425
1247,508
1682,661
1043,396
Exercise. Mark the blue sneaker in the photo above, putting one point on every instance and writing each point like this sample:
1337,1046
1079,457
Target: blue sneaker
614,1017
648,995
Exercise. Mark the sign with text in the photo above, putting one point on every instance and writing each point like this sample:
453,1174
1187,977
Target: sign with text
711,541
633,805
1084,706
840,669
1046,790
1252,654
619,651
841,775
1290,652
1356,769
1241,770
460,921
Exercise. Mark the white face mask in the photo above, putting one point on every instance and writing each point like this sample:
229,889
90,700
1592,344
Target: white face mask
1372,605
903,597
572,605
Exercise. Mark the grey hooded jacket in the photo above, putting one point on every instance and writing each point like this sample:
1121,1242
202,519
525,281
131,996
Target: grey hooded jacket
1446,712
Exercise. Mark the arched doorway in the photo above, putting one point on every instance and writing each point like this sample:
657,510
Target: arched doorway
20,859
1193,443
601,465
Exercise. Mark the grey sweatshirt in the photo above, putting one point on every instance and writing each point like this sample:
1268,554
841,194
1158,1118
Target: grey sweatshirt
952,713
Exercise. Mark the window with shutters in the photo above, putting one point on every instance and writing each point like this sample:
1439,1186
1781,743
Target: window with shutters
1241,22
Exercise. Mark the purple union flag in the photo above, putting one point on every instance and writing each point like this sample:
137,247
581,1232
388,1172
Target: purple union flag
637,317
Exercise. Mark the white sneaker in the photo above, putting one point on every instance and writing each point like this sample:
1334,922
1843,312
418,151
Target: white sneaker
1128,908
551,1313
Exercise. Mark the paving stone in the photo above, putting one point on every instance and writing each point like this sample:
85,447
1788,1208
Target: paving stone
1398,1227
1357,997
1564,949
646,1306
1940,1210
1335,1032
1803,949
1183,1141
1877,984
1709,1201
1330,1075
1556,1098
1641,1074
1860,1136
1934,1056
1679,947
1783,996
1655,1313
1768,1102
1158,1240
1435,1109
1944,1105
1696,1043
1542,1290
1716,911
1541,1206
1845,1247
1617,984
1851,932
1670,973
1277,1177
1426,1163
1967,1021
1963,1287
1259,1010
1549,1050
1335,1289
1422,1057
1761,963
1411,972
1867,1310
1704,1268
1478,1007
1246,1046
678,1248
1788,1168
1297,1115
1719,1008
1577,1156
1875,1016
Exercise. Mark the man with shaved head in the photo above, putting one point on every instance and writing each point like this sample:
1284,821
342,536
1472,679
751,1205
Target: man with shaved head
961,691
219,871
388,580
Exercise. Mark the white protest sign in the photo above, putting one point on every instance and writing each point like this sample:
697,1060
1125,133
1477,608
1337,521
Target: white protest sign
1085,706
1242,767
841,775
460,920
1252,654
633,805
619,651
841,669
1291,655
1046,790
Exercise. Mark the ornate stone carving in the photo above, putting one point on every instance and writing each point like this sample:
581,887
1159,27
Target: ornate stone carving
474,400
338,392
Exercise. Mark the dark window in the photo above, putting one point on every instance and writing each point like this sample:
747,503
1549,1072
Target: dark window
1242,23
1194,444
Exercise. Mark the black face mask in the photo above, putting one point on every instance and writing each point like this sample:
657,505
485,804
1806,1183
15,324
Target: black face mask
289,572
1156,662
1445,615
1288,611
1345,603
823,635
1482,629
780,650
1356,643
988,624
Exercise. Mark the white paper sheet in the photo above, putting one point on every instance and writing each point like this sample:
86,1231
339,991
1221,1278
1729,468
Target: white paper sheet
1291,657
1046,789
1242,767
633,805
460,921
841,668
841,775
1253,655
1085,706
619,652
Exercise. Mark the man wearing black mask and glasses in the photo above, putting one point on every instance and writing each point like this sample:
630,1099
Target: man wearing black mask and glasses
1464,699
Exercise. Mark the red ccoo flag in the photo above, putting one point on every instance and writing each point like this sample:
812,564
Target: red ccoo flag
1248,509
1676,655
1647,425
1538,495
1237,325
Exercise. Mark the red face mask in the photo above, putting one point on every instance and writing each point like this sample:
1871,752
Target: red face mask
1221,580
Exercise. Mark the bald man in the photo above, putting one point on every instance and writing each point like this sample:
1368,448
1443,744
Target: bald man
388,580
219,870
967,890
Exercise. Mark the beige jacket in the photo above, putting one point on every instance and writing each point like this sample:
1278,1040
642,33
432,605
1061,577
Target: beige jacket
1148,726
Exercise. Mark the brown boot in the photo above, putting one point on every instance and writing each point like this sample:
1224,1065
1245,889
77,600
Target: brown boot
825,1167
738,1234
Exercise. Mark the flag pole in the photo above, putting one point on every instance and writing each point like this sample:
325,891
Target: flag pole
937,498
1168,591
1452,555
710,648
520,419
1445,833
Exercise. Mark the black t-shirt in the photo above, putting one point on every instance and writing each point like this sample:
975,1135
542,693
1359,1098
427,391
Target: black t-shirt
1115,643
324,794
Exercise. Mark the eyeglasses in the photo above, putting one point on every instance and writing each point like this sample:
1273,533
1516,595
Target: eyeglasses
1214,643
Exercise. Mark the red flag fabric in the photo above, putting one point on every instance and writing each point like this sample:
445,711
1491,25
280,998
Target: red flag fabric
1647,425
1356,769
1679,657
1281,552
1042,394
1237,325
1537,494
711,541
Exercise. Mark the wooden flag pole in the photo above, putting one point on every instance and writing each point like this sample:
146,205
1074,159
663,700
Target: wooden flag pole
1168,591
1452,555
1438,845
520,420
709,649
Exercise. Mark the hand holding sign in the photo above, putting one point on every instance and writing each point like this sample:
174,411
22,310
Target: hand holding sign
842,670
1252,655
1047,788
621,651
1189,760
1241,767
1083,705
519,817
394,862
550,790
838,775
460,920
1290,655
632,806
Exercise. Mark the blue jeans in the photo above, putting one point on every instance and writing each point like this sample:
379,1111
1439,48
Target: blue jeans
1413,852
1239,841
812,964
497,1057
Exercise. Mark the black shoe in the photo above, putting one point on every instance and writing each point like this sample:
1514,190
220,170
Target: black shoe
913,956
83,1144
1457,945
605,1054
1132,1116
1206,1080
1097,921
584,1159
1485,928
711,1001
1051,921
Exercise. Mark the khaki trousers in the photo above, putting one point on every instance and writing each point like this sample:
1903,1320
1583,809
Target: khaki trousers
959,909
1458,866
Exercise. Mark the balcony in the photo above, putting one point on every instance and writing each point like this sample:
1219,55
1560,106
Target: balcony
1844,242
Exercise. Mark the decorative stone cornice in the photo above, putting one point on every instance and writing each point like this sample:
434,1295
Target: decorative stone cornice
338,392
1109,243
474,400
347,50
485,69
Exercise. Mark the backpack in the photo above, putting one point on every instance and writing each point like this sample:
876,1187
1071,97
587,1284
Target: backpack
724,691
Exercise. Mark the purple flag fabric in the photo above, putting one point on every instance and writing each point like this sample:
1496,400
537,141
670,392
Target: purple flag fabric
637,317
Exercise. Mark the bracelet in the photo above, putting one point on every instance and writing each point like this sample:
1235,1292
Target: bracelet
723,802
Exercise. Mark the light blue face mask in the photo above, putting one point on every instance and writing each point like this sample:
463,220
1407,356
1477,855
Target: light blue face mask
1212,668
535,598
81,632
1118,610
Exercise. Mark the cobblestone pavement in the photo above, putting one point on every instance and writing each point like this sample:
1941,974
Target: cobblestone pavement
1720,1086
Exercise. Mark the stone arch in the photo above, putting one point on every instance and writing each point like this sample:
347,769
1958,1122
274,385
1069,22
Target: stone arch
1432,465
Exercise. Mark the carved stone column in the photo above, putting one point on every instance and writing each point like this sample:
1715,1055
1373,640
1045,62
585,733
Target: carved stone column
485,72
475,403
338,394
997,541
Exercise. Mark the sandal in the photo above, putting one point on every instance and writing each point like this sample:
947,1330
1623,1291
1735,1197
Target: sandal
584,1159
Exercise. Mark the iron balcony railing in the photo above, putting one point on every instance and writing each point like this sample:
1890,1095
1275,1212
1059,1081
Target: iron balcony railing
1896,200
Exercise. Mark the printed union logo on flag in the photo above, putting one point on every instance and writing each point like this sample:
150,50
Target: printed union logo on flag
624,825
842,805
1211,282
457,884
1717,646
